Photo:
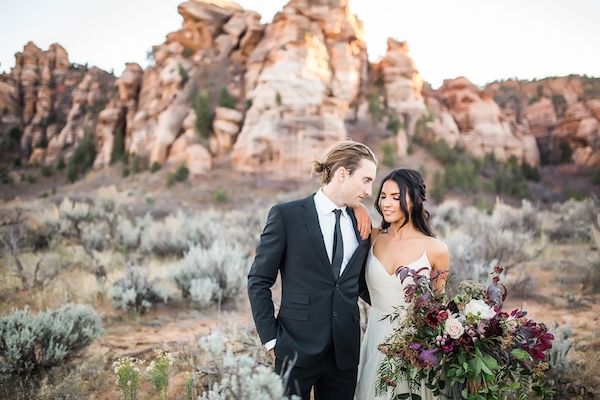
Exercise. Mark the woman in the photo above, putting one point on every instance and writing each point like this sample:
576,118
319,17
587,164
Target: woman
404,239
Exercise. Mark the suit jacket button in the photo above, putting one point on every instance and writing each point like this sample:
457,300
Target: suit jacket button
335,313
337,285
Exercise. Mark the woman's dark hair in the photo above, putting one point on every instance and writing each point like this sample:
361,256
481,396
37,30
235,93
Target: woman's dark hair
409,181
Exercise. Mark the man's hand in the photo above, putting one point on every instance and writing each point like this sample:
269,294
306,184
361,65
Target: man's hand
363,221
271,354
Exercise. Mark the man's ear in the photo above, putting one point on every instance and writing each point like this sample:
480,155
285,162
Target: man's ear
341,174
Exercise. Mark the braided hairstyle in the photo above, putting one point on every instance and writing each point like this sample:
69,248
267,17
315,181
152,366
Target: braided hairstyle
347,154
409,181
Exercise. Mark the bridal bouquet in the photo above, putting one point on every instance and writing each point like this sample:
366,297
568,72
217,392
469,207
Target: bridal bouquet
466,347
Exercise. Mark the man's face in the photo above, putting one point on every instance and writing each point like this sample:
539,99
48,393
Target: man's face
356,187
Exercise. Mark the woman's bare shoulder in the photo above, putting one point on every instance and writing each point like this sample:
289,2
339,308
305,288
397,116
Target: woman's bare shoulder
438,253
375,234
437,246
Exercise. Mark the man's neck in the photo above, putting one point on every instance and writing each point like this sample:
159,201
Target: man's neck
330,192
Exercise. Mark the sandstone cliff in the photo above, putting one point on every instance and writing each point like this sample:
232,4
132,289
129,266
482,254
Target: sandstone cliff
225,88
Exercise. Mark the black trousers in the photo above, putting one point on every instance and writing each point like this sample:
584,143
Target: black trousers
330,383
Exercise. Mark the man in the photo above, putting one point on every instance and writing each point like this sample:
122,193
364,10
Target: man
315,244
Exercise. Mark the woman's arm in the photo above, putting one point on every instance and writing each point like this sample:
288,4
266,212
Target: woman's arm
440,264
363,221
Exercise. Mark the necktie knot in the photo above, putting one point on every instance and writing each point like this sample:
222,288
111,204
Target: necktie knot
338,213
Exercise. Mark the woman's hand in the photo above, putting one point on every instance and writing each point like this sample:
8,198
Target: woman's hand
363,220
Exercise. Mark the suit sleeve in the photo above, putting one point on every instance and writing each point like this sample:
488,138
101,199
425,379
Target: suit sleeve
263,273
363,290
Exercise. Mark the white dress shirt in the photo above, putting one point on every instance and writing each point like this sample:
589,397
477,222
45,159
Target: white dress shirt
326,216
325,208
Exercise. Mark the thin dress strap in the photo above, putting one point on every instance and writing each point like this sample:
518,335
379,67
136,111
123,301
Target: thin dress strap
427,244
377,237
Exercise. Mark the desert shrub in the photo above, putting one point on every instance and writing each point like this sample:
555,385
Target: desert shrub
213,274
47,170
524,219
566,153
509,179
82,159
560,104
180,175
478,241
201,105
462,174
178,232
155,166
138,163
183,75
226,99
442,151
522,286
220,196
394,125
438,190
118,149
238,376
446,217
29,343
376,106
128,233
134,292
568,378
531,173
389,156
591,283
572,220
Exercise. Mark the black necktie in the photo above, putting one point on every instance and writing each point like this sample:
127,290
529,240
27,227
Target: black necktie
338,246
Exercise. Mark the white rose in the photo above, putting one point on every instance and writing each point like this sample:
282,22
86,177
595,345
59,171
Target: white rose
477,309
453,328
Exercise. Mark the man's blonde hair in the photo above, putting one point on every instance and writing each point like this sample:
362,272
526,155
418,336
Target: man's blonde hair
347,154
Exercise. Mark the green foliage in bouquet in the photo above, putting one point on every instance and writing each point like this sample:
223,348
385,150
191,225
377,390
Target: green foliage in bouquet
466,347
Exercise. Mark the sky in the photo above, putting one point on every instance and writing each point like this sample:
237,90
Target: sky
483,40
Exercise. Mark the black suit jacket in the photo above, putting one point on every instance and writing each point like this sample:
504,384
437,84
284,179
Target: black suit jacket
317,311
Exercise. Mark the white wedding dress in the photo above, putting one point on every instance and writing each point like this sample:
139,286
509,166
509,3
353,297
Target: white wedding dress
387,292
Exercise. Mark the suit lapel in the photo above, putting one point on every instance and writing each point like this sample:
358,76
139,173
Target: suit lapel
361,243
355,225
311,219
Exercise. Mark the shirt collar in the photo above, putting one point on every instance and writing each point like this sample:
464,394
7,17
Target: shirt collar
324,204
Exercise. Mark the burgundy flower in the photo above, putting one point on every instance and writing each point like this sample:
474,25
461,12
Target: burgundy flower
494,329
442,315
518,313
448,346
465,341
431,318
536,354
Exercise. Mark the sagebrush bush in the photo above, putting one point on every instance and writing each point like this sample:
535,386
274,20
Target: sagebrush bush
135,292
213,274
478,241
29,343
238,376
572,220
178,232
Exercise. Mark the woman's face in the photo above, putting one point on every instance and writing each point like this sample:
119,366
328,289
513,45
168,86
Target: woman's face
389,202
